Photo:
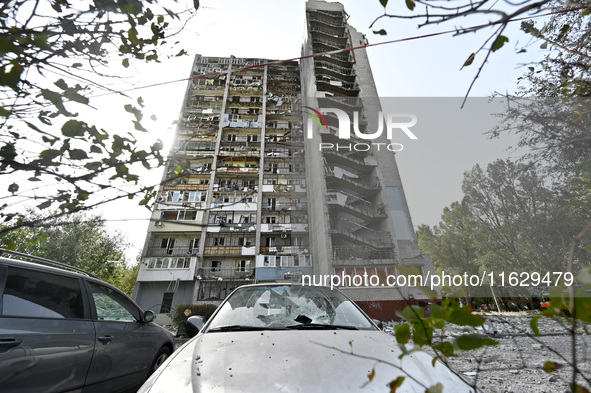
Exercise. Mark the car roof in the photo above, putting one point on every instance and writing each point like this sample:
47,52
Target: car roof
37,266
33,262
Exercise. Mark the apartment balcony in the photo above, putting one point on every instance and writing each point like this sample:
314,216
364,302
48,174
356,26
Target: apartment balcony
158,251
225,273
337,15
281,250
338,87
237,169
362,255
239,152
217,89
282,273
284,206
327,46
337,72
243,104
376,241
228,251
356,206
344,60
236,184
283,230
361,184
349,158
194,153
322,21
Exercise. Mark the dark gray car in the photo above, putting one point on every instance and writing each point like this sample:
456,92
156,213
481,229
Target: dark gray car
61,331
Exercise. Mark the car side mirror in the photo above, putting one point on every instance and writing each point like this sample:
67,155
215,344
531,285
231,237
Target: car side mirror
194,325
149,316
379,324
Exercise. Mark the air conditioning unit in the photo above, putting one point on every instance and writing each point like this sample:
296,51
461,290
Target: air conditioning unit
284,235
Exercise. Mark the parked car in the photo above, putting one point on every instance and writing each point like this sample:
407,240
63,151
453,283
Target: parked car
66,331
294,338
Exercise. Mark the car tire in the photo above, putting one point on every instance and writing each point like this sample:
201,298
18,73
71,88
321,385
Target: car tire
160,358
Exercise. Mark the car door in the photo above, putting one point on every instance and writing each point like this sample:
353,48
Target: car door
125,346
46,342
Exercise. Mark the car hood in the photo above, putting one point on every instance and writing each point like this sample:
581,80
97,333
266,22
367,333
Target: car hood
297,361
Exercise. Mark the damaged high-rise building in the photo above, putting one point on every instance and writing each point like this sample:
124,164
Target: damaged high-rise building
260,188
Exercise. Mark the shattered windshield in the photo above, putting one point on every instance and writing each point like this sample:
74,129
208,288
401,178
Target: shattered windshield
288,307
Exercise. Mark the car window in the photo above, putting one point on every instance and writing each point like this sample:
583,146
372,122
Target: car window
286,306
30,293
112,306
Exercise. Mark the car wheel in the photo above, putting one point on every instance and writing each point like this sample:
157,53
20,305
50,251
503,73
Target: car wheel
161,356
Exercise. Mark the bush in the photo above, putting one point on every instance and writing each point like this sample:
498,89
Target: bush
183,311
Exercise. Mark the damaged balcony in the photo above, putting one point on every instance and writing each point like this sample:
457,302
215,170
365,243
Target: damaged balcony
233,183
337,86
359,184
348,254
355,206
221,272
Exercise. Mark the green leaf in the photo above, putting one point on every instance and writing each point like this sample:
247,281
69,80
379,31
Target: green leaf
77,154
469,60
57,100
132,35
445,348
563,31
4,112
544,45
552,366
499,42
12,78
48,155
73,128
473,341
61,84
196,4
44,205
463,316
435,389
380,32
395,384
136,112
421,334
138,126
402,333
533,323
410,4
576,388
384,3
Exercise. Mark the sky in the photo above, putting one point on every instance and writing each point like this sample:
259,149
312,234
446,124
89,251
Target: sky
450,140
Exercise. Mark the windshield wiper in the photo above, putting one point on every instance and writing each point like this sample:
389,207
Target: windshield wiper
240,328
321,326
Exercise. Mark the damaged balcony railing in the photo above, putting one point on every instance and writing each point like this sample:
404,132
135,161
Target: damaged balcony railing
348,253
360,233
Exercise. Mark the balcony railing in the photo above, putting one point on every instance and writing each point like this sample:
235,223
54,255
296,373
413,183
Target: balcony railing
223,273
223,251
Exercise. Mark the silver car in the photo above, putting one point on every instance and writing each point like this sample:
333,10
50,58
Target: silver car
294,338
61,331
